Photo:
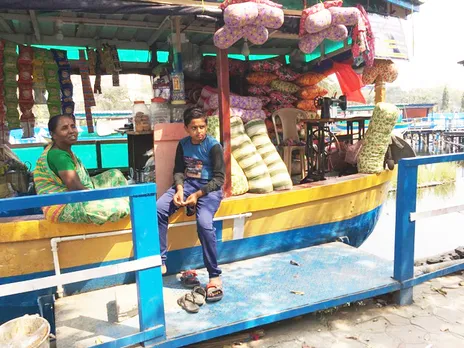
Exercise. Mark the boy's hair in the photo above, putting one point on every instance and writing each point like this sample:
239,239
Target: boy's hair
193,113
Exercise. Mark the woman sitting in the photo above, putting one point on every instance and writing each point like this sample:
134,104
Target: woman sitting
59,170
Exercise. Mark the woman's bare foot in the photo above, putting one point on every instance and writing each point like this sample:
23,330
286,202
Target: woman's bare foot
164,269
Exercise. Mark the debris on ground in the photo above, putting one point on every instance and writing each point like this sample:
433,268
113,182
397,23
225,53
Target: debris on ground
297,292
439,290
294,263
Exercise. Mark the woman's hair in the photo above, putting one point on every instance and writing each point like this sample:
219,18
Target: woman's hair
193,113
53,122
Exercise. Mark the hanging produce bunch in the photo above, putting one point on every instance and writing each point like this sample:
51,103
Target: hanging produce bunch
249,20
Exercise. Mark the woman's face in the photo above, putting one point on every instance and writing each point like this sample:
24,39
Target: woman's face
66,132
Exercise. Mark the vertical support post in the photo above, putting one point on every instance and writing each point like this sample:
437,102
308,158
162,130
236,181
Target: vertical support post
405,230
380,93
224,115
146,243
99,155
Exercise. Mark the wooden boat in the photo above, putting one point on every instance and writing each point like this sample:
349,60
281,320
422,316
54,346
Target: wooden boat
340,208
345,208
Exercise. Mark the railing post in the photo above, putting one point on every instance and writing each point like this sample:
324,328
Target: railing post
405,229
146,243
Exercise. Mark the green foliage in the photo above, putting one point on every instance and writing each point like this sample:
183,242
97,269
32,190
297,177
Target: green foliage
445,100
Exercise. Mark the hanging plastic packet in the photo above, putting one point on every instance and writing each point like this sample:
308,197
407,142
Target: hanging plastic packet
67,108
54,109
64,75
92,60
38,84
115,79
67,93
98,67
107,59
115,57
178,89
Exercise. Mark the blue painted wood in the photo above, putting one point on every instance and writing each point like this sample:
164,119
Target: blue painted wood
439,273
146,243
417,161
131,340
329,275
405,229
17,203
357,229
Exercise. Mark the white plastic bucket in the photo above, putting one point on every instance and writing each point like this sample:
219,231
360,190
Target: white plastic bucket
29,331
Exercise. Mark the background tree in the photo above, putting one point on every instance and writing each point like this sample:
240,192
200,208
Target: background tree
445,100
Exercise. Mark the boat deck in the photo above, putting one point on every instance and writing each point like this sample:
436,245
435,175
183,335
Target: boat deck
257,291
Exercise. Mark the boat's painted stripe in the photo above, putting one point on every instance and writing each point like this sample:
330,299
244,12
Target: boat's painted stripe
356,229
35,256
20,230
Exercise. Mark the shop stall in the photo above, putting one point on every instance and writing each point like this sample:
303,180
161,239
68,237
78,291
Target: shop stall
297,69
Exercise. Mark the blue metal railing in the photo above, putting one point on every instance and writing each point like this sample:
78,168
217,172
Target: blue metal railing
405,226
145,243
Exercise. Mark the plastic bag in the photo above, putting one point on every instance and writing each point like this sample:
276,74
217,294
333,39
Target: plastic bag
24,332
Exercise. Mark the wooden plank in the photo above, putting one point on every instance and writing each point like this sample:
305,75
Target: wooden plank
158,32
6,26
35,25
78,276
224,118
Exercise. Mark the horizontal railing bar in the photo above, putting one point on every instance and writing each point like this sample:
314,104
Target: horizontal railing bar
435,212
27,202
79,276
439,273
417,161
139,337
80,142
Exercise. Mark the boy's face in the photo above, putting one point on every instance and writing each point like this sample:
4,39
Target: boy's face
197,130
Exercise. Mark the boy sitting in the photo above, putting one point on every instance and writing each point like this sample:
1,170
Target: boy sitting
198,179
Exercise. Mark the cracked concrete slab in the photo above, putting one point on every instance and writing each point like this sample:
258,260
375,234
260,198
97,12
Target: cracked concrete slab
434,320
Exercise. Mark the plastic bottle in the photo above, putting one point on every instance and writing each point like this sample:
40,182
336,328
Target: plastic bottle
141,116
159,112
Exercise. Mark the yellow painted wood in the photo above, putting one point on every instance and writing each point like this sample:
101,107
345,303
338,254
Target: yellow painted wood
29,251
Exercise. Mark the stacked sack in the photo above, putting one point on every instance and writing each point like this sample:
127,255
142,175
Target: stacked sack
377,138
309,91
239,182
247,108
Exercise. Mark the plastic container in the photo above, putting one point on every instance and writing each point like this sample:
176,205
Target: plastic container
29,331
159,112
178,113
141,117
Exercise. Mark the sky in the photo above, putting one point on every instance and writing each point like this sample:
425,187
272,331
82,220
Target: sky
437,32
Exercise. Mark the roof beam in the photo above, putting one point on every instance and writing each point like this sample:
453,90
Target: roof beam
4,24
91,21
155,36
71,41
35,24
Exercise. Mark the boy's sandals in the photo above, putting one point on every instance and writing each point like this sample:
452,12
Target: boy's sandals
189,279
192,301
199,295
187,302
214,292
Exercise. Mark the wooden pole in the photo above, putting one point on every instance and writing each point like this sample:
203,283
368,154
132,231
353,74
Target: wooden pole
380,92
224,114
